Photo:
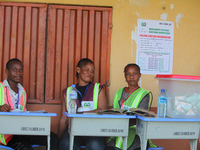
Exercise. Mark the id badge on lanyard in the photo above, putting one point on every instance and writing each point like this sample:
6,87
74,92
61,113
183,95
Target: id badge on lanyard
87,104
20,107
125,107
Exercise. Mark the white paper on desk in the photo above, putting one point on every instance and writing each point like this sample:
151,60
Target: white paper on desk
38,111
16,110
115,114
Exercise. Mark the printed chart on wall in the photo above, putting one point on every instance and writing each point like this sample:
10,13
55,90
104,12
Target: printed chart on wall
155,46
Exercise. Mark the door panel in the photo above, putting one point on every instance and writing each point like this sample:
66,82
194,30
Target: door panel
75,32
22,36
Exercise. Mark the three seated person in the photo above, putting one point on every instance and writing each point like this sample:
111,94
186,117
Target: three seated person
132,96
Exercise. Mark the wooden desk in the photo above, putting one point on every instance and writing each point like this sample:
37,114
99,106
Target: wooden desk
92,124
167,128
23,123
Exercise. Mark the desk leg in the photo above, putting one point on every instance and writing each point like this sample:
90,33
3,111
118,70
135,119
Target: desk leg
141,132
125,143
199,134
193,144
143,143
71,142
48,142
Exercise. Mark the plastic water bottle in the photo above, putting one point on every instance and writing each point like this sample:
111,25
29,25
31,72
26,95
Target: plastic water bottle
72,103
162,104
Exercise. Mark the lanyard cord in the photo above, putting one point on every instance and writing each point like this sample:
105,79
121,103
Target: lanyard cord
84,92
18,98
122,104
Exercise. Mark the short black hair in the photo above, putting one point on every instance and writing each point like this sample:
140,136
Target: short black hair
12,60
83,62
131,64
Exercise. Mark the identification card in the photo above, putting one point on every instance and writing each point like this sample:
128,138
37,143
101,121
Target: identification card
126,107
87,104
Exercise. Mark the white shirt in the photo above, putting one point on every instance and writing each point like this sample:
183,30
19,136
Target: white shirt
14,96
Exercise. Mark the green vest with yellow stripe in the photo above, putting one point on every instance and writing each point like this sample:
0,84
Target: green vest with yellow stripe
133,101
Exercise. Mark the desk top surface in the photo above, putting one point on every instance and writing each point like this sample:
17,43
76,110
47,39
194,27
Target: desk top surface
95,115
27,114
169,119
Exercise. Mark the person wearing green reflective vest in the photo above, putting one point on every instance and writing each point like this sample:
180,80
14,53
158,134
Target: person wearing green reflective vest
91,97
13,97
132,96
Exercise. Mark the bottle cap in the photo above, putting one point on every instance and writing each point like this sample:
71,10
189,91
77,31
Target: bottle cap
73,85
162,90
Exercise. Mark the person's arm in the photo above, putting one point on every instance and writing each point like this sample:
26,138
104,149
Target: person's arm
102,102
5,108
63,121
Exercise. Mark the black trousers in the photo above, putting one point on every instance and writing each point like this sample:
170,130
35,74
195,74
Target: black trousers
24,142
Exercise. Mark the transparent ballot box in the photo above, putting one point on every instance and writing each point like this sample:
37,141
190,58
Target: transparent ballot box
183,95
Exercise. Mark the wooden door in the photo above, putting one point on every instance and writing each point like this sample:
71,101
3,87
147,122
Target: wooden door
22,36
76,32
50,40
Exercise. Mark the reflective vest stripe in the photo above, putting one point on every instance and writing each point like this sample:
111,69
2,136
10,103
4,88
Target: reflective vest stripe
95,95
119,142
138,99
151,144
2,139
1,94
150,100
67,97
24,100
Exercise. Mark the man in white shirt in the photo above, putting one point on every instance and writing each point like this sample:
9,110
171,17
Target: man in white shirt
15,97
13,90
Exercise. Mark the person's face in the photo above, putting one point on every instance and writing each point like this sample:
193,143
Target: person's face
132,75
15,72
86,72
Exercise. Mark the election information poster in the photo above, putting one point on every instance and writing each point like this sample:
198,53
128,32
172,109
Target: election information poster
155,46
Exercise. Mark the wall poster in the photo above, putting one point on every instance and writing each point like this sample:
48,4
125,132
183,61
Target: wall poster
155,46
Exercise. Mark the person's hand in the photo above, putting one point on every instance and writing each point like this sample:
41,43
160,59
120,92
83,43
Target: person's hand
5,108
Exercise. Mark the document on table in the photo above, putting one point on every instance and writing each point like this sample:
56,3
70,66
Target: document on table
38,111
